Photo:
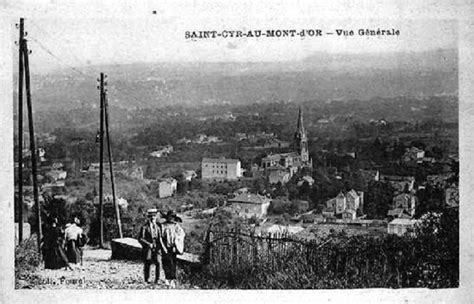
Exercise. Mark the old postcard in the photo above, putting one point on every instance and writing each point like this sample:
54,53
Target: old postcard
162,150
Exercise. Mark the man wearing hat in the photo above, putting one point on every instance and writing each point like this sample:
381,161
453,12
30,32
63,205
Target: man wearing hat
151,239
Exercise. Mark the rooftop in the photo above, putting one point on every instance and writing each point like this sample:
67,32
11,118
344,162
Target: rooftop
403,221
280,156
403,196
168,180
249,198
220,160
395,212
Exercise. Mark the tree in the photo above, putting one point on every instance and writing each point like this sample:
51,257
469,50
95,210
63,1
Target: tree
378,199
438,234
299,206
430,199
305,190
259,185
280,205
54,207
280,190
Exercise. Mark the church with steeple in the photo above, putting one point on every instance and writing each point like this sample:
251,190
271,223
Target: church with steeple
300,141
282,166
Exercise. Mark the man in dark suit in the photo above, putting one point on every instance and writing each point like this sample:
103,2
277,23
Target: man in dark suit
152,244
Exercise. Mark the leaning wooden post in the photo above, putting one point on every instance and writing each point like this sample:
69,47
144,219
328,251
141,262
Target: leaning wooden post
32,144
112,181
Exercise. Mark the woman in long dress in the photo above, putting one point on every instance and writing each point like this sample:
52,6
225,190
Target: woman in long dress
173,240
53,253
72,235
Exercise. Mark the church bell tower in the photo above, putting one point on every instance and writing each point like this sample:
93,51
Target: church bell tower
300,139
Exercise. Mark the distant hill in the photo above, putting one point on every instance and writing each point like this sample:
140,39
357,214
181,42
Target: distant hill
320,77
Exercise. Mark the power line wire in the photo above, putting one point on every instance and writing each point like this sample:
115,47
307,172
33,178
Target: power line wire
49,52
57,58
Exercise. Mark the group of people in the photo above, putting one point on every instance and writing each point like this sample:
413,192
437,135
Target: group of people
161,242
62,247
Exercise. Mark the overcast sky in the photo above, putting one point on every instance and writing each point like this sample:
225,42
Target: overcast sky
83,41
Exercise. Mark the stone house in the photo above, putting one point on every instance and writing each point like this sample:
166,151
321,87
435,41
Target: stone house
345,205
291,159
248,205
405,202
277,175
355,200
400,183
401,226
352,200
167,187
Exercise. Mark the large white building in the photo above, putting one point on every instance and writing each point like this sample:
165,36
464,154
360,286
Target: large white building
220,169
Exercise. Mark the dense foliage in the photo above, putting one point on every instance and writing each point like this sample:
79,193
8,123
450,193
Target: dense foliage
429,260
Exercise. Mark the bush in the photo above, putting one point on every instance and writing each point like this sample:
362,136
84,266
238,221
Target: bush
299,206
27,260
279,206
75,183
254,220
341,261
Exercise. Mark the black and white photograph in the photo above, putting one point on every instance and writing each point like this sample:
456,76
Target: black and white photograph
234,152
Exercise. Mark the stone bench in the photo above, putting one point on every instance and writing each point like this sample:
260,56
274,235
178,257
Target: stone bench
131,249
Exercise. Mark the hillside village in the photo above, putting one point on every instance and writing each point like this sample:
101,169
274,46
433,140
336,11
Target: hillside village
282,187
235,165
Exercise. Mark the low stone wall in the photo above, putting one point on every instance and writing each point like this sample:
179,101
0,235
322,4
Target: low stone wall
126,249
131,249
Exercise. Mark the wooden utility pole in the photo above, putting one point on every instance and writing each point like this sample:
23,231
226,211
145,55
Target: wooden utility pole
20,134
24,46
116,207
101,166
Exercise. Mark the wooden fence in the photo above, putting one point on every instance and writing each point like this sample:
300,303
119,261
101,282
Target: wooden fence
229,249
386,262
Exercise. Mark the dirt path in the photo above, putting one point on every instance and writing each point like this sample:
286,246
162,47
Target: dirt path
98,271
